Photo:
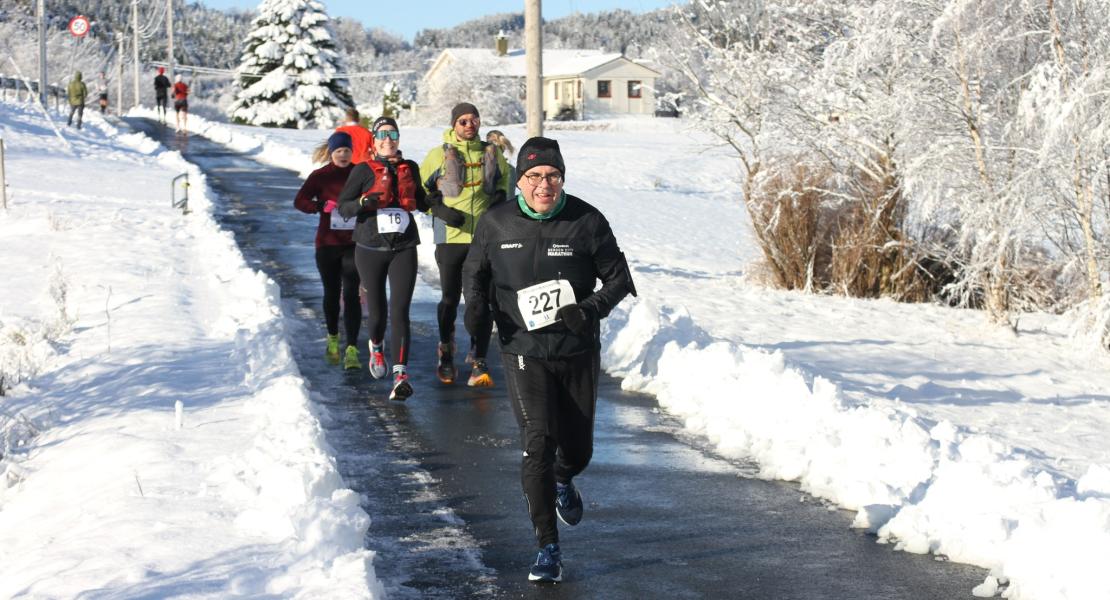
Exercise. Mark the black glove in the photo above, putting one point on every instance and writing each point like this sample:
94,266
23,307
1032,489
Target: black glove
370,200
498,197
578,320
451,216
434,198
477,318
320,205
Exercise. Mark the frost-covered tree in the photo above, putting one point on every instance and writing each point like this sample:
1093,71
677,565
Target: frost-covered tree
988,122
287,74
501,99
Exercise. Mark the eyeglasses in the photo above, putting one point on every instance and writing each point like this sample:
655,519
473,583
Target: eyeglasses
534,179
469,122
381,134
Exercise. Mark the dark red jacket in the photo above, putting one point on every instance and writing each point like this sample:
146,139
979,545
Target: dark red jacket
322,185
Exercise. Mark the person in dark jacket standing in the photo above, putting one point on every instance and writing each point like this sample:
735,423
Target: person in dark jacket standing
532,269
381,194
78,93
335,248
161,92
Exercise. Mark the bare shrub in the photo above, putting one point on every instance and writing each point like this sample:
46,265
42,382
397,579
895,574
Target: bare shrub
784,203
820,231
872,256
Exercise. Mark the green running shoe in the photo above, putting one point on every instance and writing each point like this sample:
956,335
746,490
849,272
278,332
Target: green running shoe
332,352
350,361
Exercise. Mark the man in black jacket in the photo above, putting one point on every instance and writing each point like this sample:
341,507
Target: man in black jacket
532,268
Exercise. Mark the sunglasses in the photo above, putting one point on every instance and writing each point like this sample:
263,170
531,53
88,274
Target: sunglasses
381,134
469,122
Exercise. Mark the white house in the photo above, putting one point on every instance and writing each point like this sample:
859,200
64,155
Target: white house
578,84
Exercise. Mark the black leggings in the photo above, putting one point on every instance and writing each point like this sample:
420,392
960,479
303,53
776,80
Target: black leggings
337,272
160,102
450,258
374,266
553,401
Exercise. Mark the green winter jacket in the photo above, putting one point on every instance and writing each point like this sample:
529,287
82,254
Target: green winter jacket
77,90
473,201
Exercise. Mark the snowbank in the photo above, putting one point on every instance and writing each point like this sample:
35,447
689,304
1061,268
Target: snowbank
927,487
163,442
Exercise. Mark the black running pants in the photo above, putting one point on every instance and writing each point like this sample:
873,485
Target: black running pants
399,268
336,265
553,401
449,259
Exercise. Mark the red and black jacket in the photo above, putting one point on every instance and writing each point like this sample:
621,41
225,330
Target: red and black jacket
378,184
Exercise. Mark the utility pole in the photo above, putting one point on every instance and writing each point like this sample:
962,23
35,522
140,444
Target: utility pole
41,9
169,35
135,53
533,51
119,82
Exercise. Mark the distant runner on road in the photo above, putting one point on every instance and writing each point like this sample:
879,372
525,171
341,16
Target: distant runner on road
161,90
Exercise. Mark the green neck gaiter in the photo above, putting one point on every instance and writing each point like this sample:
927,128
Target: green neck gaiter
538,216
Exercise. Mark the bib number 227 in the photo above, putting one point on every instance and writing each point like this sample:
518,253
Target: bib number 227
539,303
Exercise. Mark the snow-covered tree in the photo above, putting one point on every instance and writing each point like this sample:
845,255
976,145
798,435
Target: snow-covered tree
500,99
287,74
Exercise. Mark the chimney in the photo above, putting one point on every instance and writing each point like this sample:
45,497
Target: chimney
502,43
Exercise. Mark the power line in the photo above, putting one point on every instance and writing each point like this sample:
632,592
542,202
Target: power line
234,73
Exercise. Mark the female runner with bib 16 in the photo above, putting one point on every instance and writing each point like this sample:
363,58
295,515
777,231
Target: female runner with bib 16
381,194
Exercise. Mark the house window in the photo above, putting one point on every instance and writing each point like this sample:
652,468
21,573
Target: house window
603,89
579,89
634,89
556,86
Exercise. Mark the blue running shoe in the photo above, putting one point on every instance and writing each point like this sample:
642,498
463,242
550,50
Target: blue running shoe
549,565
568,503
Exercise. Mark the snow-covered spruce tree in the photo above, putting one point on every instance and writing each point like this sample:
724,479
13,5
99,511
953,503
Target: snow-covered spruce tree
287,71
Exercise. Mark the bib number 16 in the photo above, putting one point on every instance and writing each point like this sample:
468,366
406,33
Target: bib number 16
539,303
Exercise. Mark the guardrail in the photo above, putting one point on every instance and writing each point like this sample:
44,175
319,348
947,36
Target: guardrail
183,201
13,88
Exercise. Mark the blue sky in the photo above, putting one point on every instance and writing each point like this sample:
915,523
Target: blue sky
406,17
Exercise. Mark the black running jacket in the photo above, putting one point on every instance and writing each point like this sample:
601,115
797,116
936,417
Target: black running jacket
514,251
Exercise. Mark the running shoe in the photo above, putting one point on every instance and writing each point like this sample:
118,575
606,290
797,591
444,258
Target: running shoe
549,565
402,389
568,503
350,359
479,375
332,353
377,360
445,368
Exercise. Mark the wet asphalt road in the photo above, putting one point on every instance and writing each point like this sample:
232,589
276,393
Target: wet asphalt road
439,474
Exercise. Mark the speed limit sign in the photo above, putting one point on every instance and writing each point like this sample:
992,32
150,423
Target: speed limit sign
79,26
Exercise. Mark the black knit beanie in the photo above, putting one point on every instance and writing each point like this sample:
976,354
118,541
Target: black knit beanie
463,108
539,151
384,121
